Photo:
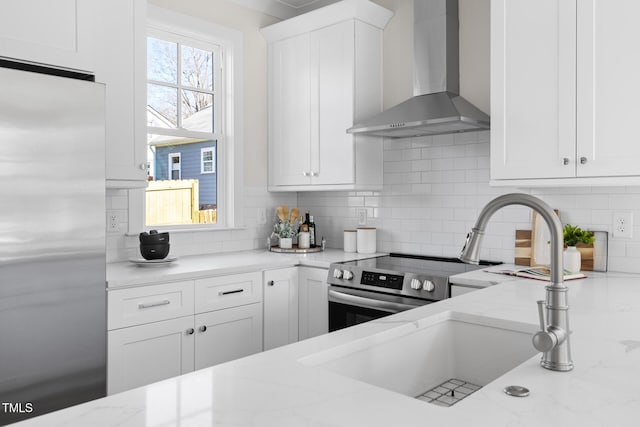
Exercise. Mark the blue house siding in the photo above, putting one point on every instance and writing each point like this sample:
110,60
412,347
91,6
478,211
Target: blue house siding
190,162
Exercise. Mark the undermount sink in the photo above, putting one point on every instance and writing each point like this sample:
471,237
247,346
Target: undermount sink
418,356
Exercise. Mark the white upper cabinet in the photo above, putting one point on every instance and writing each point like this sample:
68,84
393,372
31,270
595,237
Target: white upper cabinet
54,33
325,74
120,40
561,75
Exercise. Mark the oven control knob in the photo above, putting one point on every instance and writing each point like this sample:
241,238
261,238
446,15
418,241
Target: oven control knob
416,284
337,273
428,285
347,275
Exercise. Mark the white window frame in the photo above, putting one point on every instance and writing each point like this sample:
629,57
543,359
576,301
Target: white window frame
230,163
204,150
170,164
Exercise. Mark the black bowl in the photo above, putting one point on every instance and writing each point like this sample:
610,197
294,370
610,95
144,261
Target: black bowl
154,238
159,251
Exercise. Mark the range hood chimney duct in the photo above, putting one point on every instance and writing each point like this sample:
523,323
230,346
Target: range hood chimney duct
436,107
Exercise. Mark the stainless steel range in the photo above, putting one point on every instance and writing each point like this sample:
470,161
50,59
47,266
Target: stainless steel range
372,288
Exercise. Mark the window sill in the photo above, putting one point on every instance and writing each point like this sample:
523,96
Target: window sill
191,229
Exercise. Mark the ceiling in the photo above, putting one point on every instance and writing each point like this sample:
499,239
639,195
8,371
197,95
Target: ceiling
283,9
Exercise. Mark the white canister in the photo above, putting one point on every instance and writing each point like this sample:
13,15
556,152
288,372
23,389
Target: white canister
304,240
366,240
350,240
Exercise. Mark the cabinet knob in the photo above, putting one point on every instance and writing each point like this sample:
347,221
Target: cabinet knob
202,328
314,174
565,161
306,173
270,283
190,331
143,166
583,160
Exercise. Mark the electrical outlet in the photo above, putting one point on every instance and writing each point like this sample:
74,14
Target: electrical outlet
362,216
623,225
262,216
113,222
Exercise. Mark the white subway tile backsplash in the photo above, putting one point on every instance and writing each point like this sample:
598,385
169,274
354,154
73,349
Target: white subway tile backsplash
434,188
432,216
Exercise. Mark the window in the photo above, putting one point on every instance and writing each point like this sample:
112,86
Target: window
184,111
171,125
207,160
174,166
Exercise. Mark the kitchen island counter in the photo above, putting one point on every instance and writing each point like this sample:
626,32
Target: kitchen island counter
275,389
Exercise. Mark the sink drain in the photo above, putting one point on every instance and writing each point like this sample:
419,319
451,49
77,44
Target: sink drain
449,392
517,391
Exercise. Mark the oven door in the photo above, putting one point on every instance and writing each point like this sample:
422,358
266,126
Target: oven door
348,307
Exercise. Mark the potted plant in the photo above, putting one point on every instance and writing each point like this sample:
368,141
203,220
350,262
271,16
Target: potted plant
285,232
284,228
572,235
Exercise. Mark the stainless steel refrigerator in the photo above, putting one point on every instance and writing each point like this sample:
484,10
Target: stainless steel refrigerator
52,243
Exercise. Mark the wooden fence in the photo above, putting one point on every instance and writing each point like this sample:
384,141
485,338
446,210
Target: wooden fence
173,202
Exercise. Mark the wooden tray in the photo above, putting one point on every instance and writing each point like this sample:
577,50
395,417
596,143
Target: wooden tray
295,250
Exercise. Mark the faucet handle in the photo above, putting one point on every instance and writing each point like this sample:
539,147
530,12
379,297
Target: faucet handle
543,324
543,340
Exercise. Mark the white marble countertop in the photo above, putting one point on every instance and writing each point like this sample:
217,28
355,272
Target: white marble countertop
123,274
275,389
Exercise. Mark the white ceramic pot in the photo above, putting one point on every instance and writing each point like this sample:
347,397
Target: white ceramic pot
350,240
366,240
572,259
304,240
286,242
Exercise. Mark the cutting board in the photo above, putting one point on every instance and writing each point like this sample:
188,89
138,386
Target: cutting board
523,251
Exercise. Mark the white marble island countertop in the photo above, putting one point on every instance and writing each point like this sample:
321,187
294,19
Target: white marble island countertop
275,389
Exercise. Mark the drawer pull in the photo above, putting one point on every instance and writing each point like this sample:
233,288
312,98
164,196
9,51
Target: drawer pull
154,304
235,291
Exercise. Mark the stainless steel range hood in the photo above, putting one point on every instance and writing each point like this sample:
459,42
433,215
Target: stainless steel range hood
436,108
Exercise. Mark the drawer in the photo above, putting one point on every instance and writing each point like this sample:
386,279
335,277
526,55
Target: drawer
145,304
216,293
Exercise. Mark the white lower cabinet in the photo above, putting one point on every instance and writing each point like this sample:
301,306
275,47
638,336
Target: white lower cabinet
228,334
160,331
280,307
143,354
164,330
313,310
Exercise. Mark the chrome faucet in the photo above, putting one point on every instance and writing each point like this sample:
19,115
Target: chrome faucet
553,338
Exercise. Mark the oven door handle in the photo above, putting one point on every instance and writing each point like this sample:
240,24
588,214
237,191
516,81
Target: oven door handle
392,307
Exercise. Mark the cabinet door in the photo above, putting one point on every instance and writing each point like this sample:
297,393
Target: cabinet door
313,310
332,104
608,85
289,115
144,354
533,89
121,65
227,334
280,307
49,32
